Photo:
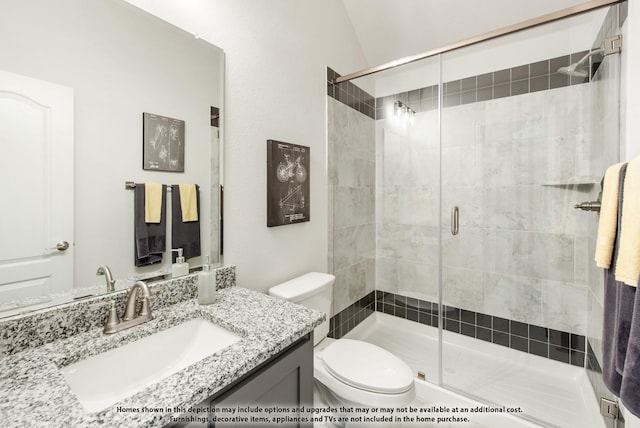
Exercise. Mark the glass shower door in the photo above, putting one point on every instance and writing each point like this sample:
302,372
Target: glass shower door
407,208
521,144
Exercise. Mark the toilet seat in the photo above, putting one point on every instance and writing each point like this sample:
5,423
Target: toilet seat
367,367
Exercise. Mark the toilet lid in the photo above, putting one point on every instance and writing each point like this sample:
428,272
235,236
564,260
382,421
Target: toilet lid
367,366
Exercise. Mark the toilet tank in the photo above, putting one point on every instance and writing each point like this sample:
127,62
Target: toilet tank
313,290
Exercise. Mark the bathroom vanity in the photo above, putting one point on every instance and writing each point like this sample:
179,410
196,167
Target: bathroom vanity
285,380
271,363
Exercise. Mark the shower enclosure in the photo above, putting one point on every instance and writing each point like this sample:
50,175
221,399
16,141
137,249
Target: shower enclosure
452,186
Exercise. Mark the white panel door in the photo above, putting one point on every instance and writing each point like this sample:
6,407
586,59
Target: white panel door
36,195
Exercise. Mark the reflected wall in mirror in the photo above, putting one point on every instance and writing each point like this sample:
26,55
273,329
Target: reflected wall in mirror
75,78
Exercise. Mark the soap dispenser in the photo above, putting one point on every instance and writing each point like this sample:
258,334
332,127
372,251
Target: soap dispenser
206,284
180,267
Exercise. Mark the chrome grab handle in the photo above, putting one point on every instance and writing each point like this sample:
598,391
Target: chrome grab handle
60,246
588,206
455,220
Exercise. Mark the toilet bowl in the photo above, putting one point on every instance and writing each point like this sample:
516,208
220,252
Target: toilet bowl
349,372
364,374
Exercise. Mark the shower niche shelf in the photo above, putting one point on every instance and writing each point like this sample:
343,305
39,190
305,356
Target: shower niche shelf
580,181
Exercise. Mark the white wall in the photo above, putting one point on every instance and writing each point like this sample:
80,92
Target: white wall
551,40
276,56
415,26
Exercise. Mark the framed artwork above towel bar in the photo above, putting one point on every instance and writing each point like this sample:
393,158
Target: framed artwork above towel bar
163,143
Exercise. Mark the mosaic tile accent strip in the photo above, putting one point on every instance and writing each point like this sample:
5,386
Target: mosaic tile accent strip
522,79
527,78
545,342
343,322
351,95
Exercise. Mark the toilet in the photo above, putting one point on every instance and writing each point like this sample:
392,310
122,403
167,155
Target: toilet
348,372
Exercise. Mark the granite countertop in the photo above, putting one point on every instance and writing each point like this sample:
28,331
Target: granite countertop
35,392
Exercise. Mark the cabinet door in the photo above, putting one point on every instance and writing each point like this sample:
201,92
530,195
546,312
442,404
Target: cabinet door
285,382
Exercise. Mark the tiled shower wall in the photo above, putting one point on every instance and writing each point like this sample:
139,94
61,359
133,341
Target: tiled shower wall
514,166
520,147
351,165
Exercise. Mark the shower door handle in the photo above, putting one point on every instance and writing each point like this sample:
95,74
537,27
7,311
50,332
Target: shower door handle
455,220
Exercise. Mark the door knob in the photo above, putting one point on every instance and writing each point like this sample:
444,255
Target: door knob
60,246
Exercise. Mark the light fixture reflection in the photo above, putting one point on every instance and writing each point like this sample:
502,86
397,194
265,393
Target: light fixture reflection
403,111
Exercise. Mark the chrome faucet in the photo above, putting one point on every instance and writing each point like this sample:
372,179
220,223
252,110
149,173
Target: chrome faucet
111,283
129,318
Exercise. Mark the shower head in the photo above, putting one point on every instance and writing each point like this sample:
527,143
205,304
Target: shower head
578,69
572,70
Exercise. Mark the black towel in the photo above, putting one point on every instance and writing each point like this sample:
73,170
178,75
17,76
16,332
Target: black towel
616,318
621,331
184,235
150,238
628,342
610,376
630,388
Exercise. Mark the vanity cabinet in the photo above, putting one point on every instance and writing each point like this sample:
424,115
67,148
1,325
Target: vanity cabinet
285,381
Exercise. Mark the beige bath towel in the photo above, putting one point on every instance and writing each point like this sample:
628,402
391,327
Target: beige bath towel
628,259
188,202
152,202
608,223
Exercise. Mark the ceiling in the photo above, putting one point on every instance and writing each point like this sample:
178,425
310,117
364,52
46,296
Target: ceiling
392,29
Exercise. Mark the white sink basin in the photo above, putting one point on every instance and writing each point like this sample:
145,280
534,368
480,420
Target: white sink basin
107,378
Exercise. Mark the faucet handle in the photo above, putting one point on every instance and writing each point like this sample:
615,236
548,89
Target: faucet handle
112,320
145,310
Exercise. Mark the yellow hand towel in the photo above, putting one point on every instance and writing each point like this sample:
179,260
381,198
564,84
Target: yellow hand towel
152,202
188,202
608,223
628,259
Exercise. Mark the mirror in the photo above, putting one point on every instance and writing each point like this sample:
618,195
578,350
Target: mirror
110,62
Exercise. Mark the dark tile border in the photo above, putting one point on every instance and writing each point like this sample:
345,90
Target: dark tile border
343,322
545,342
523,79
351,95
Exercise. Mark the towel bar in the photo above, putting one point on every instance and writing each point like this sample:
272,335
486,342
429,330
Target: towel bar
588,206
132,185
